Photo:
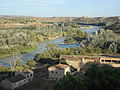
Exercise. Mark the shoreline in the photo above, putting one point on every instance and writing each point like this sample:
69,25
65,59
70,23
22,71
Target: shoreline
36,48
87,27
24,51
28,50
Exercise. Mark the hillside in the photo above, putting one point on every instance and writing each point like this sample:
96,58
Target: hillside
102,21
115,27
18,21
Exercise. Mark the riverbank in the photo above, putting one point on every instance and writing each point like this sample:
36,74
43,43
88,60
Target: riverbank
17,53
58,40
48,39
29,49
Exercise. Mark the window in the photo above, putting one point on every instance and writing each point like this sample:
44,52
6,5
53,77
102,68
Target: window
107,60
29,80
20,83
52,77
56,78
102,60
27,76
114,61
56,72
31,75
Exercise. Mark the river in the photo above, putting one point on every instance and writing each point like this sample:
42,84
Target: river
42,46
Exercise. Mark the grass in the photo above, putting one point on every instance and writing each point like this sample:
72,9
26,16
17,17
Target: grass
29,50
5,55
24,51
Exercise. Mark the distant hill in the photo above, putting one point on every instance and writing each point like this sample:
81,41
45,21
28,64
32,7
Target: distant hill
115,26
7,21
103,21
11,21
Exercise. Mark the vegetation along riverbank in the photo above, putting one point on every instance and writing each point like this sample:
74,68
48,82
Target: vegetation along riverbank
23,34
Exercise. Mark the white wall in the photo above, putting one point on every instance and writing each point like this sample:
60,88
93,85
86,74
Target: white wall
27,76
20,83
8,85
58,74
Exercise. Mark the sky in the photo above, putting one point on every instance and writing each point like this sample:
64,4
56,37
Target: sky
52,8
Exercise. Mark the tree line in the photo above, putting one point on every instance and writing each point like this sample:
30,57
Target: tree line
96,77
101,42
18,39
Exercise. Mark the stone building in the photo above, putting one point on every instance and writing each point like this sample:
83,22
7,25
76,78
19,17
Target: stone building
78,62
73,61
114,62
58,71
19,79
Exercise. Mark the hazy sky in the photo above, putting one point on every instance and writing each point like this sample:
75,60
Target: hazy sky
60,7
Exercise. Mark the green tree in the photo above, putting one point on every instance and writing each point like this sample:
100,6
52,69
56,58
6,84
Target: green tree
4,69
16,64
25,66
31,63
69,40
46,87
102,77
70,83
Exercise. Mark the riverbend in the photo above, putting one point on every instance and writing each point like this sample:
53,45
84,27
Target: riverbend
42,46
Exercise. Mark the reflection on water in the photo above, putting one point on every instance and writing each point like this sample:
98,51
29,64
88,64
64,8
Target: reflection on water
42,46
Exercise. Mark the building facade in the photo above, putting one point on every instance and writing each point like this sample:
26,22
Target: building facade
114,62
78,61
58,71
18,80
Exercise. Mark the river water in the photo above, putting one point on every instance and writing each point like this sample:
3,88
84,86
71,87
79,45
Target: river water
42,46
